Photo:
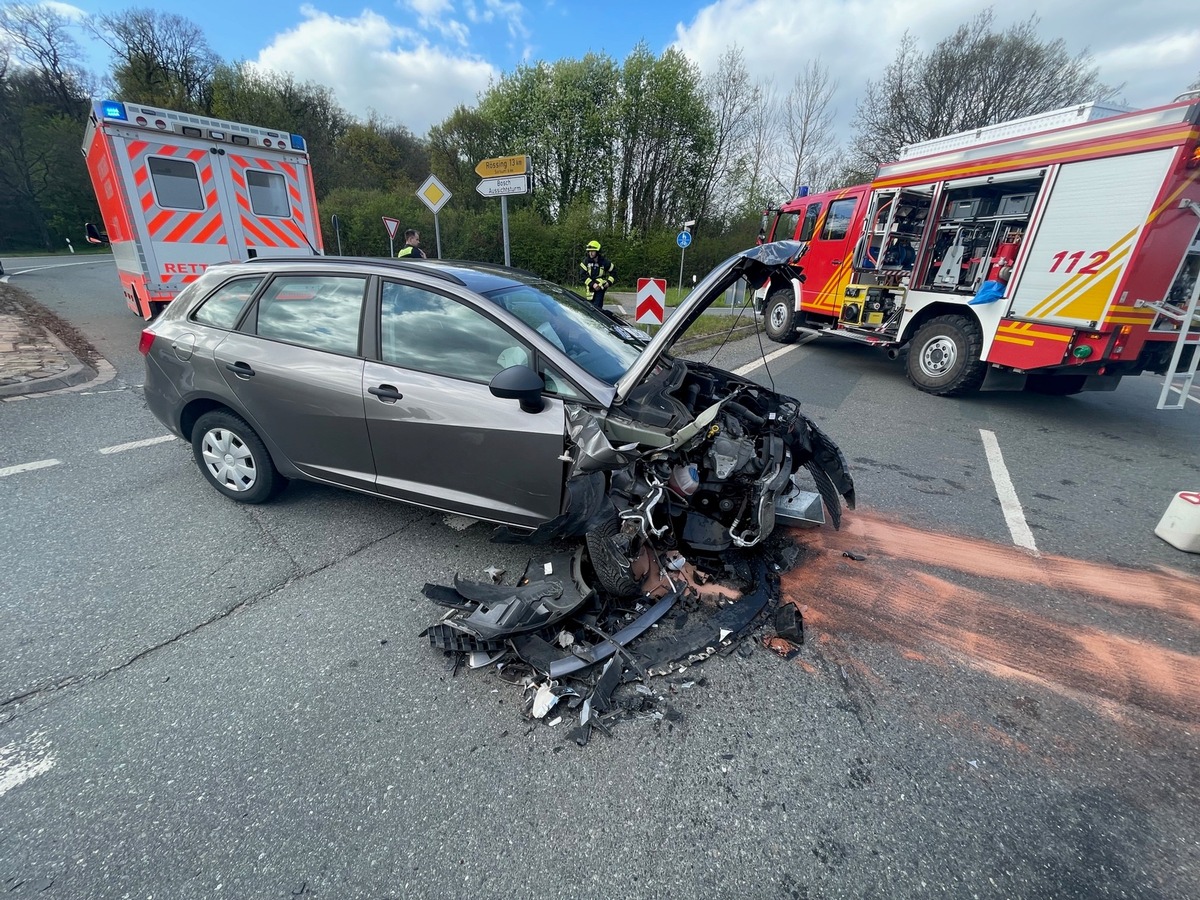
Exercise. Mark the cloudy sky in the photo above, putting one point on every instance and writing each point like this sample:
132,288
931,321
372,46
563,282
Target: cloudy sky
413,61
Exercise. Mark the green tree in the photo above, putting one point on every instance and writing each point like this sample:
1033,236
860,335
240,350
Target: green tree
562,115
666,135
43,183
241,93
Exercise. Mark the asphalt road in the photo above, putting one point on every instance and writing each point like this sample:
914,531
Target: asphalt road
202,699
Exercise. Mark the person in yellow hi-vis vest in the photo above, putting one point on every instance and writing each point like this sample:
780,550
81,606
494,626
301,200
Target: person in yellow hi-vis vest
411,248
598,274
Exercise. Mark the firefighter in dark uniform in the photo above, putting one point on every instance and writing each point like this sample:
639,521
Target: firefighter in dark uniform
597,274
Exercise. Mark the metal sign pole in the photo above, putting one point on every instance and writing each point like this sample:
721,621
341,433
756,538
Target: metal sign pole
682,251
391,247
504,226
437,231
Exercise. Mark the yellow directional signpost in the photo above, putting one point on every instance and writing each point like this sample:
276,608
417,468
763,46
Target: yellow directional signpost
503,165
503,175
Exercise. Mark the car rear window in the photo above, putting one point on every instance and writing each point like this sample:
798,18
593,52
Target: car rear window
224,305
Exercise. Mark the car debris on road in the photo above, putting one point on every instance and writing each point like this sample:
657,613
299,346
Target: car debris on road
568,642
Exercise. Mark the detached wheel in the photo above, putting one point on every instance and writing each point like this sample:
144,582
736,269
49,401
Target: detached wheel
943,357
607,553
780,315
233,458
1055,385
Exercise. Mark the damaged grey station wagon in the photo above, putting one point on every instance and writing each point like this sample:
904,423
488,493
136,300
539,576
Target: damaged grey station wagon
486,392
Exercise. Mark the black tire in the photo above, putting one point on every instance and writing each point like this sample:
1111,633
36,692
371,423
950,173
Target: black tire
610,564
1055,385
233,458
779,315
944,356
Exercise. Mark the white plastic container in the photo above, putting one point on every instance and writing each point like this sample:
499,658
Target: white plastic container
1180,524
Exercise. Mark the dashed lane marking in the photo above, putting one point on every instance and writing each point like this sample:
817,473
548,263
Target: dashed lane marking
134,445
29,467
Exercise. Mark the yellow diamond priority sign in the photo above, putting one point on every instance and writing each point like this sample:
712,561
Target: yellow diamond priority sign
433,194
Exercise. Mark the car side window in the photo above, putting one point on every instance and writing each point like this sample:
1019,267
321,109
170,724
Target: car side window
837,222
224,305
318,311
433,333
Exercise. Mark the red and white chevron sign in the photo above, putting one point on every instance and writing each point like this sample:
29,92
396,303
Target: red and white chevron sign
651,299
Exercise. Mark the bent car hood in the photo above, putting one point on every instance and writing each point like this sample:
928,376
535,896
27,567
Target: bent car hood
755,265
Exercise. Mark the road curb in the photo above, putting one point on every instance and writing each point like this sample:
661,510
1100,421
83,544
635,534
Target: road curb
76,373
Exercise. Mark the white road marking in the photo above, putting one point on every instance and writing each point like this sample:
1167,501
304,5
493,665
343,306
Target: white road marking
1014,516
1190,396
20,764
459,523
770,357
134,445
29,467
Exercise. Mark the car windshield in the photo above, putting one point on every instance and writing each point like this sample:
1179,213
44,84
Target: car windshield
598,344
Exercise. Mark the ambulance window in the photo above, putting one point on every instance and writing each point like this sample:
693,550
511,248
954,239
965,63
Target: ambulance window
224,306
268,194
810,222
837,223
176,184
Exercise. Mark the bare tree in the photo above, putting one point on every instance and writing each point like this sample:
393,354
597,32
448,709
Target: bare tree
731,98
41,40
975,77
161,58
807,123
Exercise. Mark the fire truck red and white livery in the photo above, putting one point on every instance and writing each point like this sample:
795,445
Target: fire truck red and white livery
179,192
1056,253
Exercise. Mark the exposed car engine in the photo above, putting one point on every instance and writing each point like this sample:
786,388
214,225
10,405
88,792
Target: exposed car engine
698,459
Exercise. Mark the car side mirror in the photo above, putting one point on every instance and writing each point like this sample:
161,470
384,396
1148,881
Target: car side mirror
94,234
520,383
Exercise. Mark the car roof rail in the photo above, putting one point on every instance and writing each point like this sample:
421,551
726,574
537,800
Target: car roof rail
405,265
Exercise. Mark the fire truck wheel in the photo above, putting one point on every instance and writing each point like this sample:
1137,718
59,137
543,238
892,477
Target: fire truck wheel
780,315
944,356
1055,385
233,458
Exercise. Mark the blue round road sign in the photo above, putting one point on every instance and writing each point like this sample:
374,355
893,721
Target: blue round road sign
684,240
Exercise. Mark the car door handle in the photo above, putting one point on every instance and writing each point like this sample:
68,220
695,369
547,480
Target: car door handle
240,369
386,392
835,262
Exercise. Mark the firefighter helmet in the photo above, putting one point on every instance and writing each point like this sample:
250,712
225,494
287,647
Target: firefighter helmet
594,245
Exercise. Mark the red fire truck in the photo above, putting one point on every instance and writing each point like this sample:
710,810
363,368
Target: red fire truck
179,192
1034,254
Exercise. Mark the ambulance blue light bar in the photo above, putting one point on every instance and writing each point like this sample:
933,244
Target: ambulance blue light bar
298,143
111,109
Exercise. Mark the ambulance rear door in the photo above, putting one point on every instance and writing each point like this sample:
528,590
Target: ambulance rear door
274,213
181,207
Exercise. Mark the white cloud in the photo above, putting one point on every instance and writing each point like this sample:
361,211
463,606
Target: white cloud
434,15
1152,47
371,64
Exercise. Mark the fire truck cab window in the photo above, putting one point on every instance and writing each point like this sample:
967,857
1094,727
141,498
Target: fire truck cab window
268,194
176,184
785,227
810,222
837,223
